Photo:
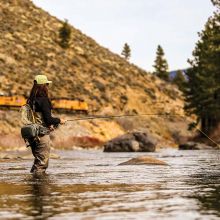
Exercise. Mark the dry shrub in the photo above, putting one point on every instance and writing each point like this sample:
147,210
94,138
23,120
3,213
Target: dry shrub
99,85
126,123
151,93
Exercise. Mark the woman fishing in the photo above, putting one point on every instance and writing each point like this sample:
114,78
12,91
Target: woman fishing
41,105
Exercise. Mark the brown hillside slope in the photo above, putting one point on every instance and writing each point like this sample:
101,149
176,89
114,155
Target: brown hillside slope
110,85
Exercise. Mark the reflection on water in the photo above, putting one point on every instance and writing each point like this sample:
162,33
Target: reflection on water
90,185
41,194
210,201
209,193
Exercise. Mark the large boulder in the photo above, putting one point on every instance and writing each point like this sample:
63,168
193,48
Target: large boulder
191,145
131,142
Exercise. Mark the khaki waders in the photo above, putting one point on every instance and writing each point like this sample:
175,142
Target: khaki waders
40,149
41,152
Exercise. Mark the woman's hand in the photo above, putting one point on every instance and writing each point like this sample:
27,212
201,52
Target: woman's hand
62,121
51,128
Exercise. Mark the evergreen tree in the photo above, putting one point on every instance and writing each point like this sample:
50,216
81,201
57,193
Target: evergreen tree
126,52
65,35
161,65
179,79
202,92
216,3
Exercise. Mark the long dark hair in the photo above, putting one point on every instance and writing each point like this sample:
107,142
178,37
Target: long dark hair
38,90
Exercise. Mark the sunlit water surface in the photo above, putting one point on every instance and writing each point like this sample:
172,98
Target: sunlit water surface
90,185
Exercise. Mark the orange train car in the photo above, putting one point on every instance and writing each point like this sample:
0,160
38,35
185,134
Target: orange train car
12,101
62,104
70,105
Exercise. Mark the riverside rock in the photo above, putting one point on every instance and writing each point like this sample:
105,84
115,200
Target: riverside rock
144,160
131,142
191,145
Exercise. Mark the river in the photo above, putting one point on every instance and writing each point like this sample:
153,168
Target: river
89,185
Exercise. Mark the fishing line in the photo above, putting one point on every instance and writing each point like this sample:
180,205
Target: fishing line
208,137
118,116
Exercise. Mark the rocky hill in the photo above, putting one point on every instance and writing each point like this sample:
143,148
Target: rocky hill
86,70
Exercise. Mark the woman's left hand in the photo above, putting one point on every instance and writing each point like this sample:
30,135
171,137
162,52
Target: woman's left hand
63,121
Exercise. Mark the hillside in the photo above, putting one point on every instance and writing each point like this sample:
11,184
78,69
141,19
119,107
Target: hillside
86,70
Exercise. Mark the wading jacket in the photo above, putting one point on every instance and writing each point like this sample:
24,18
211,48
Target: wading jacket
42,112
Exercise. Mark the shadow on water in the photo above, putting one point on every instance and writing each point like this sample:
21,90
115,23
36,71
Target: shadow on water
210,201
208,193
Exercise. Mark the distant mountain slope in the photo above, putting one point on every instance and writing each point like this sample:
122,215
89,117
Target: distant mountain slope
173,73
28,46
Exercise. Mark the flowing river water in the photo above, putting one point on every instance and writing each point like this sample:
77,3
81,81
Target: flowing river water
89,185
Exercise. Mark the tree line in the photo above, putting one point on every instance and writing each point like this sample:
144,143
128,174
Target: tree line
202,90
161,68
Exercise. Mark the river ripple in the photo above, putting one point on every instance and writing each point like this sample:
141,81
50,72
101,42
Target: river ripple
89,185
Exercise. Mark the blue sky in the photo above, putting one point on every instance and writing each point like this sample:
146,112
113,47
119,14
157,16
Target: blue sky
143,24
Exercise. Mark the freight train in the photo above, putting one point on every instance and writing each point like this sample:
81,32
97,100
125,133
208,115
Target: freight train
59,104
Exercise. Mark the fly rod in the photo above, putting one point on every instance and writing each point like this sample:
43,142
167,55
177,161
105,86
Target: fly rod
117,116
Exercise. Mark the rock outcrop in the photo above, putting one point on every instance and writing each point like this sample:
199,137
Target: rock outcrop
132,142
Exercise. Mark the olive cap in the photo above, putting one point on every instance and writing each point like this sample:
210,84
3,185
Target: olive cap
42,79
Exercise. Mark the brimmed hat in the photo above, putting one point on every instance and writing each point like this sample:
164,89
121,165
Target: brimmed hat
42,79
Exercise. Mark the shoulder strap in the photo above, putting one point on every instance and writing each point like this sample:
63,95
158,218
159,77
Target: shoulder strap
34,108
32,113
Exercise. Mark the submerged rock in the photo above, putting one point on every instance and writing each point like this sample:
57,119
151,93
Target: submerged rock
144,160
132,142
191,145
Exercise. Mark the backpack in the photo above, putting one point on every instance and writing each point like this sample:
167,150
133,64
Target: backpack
30,131
27,115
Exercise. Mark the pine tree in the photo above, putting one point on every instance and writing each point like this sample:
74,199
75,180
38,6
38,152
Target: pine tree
216,3
202,91
179,79
65,35
161,65
126,52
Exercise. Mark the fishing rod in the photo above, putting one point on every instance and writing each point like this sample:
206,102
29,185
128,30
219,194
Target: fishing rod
118,116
